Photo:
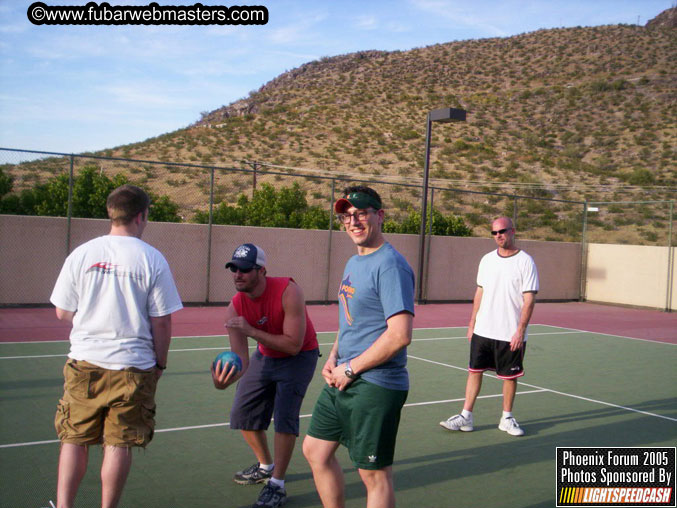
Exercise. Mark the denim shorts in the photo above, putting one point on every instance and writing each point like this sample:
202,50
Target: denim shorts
273,387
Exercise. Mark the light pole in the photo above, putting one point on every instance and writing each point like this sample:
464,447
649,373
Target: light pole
443,115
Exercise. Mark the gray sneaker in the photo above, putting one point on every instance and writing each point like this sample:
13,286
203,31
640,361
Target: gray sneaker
510,426
253,474
458,422
271,496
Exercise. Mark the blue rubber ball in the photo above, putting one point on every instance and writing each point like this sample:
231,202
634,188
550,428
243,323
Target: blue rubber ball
229,358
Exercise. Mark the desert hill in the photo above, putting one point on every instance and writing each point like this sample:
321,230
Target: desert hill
573,114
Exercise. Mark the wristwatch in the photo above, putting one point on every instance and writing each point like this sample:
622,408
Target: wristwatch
349,372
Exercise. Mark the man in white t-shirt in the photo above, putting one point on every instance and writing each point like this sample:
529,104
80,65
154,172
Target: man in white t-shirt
507,283
119,294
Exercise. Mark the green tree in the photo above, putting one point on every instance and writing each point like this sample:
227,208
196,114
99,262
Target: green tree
642,176
222,214
90,190
316,217
163,209
442,225
6,183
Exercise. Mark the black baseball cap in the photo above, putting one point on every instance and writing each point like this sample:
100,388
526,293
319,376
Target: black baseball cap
247,256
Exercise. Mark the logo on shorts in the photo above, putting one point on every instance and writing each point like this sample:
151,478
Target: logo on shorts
372,458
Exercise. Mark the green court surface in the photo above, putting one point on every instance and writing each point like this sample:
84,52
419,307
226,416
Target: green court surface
580,389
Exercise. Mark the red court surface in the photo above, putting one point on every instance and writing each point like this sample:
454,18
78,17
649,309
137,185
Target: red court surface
39,324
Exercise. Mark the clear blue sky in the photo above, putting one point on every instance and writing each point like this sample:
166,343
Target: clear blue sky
85,88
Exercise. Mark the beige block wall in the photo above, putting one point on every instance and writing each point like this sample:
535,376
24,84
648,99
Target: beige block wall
32,250
629,275
296,253
454,261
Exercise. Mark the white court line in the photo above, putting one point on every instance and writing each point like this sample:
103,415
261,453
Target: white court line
574,330
226,424
465,369
225,335
29,357
413,404
537,389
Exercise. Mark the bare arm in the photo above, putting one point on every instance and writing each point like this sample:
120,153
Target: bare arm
517,339
290,340
64,315
161,329
475,308
396,337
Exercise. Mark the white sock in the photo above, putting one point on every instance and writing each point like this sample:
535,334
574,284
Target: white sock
466,414
276,482
507,414
267,467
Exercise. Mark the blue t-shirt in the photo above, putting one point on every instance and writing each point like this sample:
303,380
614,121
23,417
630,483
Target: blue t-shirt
374,288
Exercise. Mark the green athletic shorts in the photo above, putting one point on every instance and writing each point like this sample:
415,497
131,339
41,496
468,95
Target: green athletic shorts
364,418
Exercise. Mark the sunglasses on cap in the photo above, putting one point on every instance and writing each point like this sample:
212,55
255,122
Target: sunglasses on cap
500,231
234,269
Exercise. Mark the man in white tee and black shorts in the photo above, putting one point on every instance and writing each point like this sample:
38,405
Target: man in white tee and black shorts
507,282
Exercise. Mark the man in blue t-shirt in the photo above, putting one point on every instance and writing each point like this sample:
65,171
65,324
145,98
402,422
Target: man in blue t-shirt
366,374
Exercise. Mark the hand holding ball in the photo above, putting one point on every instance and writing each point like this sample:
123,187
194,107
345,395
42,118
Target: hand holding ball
228,359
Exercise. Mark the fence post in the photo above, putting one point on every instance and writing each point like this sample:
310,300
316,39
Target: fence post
209,234
331,229
514,211
671,266
584,253
69,213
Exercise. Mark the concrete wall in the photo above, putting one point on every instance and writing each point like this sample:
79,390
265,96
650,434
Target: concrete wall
32,250
452,274
630,275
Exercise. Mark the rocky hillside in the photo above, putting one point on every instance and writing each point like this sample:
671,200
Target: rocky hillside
572,114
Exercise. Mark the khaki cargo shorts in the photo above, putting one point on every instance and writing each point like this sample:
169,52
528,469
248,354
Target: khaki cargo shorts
113,407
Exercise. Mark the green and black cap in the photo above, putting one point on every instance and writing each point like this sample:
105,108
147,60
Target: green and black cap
359,200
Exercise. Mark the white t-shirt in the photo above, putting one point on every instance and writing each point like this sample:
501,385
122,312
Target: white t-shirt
503,281
114,284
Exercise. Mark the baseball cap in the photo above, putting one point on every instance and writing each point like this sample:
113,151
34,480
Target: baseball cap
359,200
246,256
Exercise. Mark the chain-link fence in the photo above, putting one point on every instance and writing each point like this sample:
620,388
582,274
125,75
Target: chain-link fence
197,191
196,188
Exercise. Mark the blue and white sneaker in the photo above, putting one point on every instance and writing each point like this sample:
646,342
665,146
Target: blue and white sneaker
271,496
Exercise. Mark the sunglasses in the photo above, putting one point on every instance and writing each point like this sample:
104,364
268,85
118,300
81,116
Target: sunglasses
234,269
500,231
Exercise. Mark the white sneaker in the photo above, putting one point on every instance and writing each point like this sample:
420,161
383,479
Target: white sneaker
458,422
510,426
